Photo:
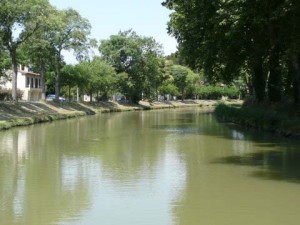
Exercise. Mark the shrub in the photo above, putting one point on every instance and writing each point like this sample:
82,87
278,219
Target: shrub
216,92
5,94
261,118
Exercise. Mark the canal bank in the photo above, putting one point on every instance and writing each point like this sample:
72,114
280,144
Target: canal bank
28,113
283,120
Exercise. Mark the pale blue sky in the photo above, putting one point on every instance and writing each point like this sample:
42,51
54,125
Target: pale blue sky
108,17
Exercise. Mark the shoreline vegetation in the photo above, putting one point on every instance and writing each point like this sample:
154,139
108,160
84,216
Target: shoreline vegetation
281,120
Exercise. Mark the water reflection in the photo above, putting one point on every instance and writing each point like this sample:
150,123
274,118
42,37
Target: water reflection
146,168
69,171
34,188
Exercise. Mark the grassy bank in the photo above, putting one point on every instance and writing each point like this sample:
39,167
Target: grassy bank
282,120
27,113
23,114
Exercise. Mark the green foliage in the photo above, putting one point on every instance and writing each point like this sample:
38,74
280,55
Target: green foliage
226,38
184,79
96,77
217,92
138,62
169,88
67,30
19,20
259,117
5,62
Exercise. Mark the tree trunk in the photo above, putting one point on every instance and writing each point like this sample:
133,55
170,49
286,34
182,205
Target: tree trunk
13,55
91,97
259,82
69,93
43,83
275,79
77,95
57,79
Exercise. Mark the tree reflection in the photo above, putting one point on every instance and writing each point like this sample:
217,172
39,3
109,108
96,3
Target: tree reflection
32,189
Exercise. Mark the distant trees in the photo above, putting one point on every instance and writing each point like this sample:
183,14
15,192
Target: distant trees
137,61
228,38
99,78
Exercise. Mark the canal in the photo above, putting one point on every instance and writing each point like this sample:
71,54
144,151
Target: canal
170,167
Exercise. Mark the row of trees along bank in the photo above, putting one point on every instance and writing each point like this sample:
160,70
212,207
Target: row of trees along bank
35,33
258,41
133,66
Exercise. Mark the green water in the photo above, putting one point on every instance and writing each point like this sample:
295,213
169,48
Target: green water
177,167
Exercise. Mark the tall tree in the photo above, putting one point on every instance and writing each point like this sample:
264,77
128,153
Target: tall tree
184,79
227,37
100,78
19,20
40,54
136,59
67,31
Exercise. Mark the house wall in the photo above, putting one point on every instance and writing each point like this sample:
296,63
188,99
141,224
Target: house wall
31,90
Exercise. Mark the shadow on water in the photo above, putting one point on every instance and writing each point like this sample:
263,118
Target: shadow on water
275,157
273,165
280,159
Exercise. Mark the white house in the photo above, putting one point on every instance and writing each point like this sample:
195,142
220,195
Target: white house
28,82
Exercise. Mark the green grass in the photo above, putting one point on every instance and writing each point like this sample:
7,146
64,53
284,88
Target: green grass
4,125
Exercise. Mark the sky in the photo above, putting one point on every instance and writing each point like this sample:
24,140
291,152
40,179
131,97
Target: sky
146,17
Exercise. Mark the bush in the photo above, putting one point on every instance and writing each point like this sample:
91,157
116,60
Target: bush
261,118
5,94
216,92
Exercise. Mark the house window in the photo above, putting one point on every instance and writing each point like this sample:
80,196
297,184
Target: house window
40,83
31,84
36,83
27,82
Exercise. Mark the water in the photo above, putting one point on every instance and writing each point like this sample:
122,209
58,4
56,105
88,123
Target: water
177,167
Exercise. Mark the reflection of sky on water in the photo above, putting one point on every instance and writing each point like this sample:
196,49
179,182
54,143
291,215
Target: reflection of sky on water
240,146
18,202
147,198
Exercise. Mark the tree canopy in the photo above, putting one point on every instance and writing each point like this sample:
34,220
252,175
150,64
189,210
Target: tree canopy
137,60
226,38
19,20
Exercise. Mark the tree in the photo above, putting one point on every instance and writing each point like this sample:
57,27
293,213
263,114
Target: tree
67,31
136,59
168,88
5,62
226,38
292,43
19,21
38,51
70,78
184,79
103,78
99,76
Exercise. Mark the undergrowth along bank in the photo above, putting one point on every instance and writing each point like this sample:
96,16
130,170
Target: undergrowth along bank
281,122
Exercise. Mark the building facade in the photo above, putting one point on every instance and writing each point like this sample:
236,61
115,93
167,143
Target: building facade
28,82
